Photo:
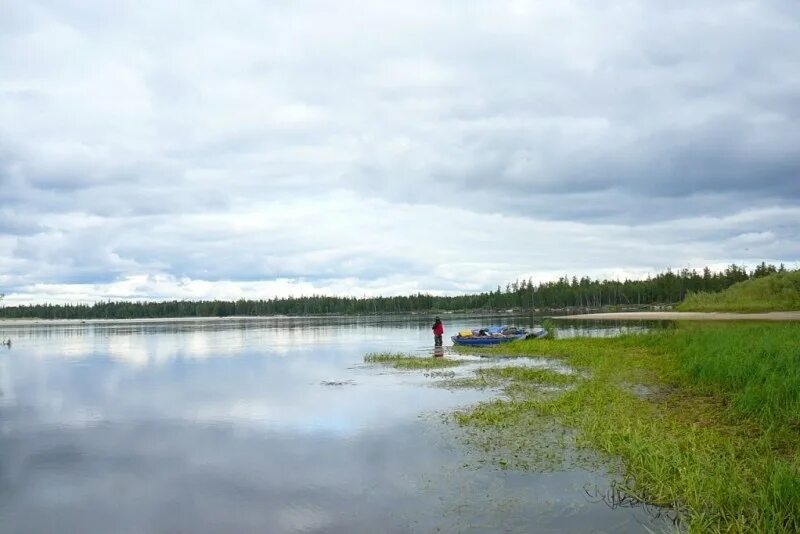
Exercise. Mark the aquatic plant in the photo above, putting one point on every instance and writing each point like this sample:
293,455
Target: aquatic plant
529,374
401,360
513,435
549,326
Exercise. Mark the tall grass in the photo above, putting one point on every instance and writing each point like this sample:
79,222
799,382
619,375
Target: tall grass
717,437
776,292
756,366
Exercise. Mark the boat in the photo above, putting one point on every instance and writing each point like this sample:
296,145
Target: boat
495,335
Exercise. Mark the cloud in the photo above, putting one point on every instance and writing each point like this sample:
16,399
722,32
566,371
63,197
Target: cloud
345,244
391,145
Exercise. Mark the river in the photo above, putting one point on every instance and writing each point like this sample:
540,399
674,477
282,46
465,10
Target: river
269,425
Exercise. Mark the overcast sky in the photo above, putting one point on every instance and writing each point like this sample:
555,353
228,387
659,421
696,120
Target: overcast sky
245,148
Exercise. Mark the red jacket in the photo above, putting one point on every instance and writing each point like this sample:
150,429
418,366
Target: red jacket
438,329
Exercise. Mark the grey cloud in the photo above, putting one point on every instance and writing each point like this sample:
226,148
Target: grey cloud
13,224
145,116
677,60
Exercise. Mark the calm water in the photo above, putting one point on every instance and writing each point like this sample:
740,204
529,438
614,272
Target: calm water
259,426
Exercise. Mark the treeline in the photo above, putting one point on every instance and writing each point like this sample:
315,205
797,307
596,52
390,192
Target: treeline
666,288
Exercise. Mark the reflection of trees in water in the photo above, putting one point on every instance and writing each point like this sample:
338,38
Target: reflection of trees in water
7,342
605,327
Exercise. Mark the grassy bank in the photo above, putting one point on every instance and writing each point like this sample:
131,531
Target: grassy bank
705,418
777,292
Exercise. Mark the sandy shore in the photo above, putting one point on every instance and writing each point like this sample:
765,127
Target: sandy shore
688,316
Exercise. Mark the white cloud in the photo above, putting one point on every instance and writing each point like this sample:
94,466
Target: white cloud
349,245
154,150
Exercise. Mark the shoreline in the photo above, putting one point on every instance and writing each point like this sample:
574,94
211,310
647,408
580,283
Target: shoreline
600,316
703,420
685,316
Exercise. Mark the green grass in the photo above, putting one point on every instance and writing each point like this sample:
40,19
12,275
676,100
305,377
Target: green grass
514,378
755,367
717,438
776,292
528,374
400,360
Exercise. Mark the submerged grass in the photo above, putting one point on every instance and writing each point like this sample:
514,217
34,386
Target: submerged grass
503,430
513,378
719,441
401,360
528,374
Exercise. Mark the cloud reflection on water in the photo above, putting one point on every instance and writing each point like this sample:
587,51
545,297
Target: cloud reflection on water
209,428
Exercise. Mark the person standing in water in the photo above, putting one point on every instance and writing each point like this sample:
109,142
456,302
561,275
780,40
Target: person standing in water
438,331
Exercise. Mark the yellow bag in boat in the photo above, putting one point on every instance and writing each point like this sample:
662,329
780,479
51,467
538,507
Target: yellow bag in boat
465,333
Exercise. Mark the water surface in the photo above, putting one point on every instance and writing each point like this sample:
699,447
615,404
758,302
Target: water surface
272,425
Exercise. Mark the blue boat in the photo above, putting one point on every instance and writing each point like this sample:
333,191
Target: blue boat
495,336
478,341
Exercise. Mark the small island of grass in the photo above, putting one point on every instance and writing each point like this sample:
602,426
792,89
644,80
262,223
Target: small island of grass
400,360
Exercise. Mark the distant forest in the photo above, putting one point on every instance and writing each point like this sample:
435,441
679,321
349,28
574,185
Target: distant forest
666,288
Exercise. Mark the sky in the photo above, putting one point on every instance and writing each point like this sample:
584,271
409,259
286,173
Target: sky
159,150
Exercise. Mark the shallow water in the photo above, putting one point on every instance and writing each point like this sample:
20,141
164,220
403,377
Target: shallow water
273,425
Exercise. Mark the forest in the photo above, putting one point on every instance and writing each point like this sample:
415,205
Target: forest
667,288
